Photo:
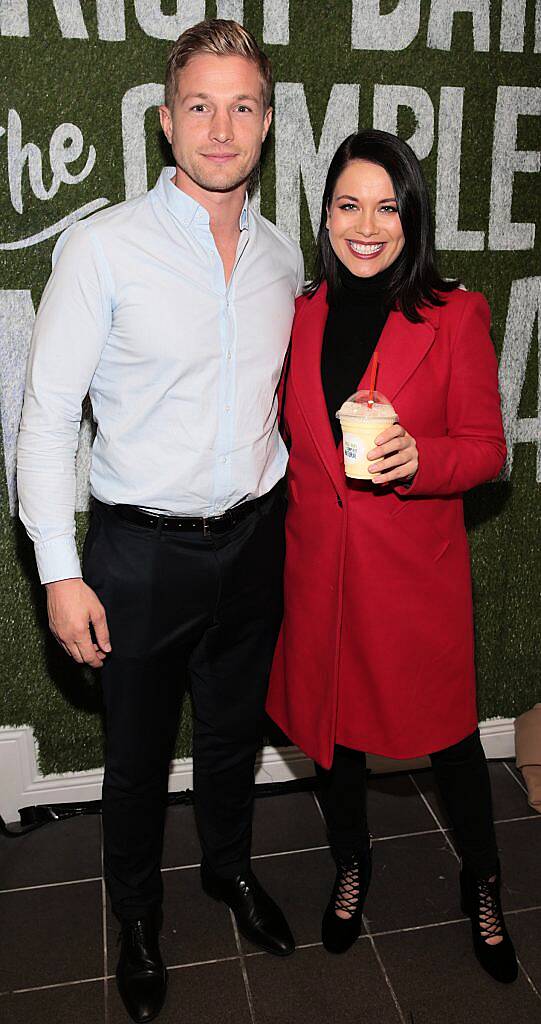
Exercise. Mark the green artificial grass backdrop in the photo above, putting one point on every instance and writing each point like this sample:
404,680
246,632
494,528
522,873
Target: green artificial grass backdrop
471,82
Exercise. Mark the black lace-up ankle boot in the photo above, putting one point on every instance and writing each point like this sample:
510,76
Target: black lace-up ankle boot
348,895
481,903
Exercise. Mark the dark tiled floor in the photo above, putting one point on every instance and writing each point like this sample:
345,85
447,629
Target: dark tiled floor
294,823
50,935
394,800
437,980
40,859
509,799
63,1005
527,936
312,986
414,882
520,849
58,942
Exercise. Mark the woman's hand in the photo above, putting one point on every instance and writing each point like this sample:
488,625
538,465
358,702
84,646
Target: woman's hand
399,450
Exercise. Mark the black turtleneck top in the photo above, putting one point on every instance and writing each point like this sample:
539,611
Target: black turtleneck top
354,324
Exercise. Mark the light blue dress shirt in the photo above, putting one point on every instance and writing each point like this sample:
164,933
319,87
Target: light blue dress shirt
182,369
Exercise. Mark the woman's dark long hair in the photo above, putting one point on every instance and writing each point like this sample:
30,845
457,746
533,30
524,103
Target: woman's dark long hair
416,280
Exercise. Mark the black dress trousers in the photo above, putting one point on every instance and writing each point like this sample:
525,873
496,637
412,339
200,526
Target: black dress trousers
183,609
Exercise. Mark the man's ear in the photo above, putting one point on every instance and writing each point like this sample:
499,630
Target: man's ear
166,122
267,120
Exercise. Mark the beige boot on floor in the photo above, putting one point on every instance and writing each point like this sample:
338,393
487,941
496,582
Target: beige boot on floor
528,752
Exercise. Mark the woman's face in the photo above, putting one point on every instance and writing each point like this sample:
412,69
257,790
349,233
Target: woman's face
362,219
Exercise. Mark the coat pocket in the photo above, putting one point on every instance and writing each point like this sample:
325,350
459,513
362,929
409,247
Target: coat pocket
429,523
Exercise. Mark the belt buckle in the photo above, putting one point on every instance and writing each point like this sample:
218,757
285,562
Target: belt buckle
206,527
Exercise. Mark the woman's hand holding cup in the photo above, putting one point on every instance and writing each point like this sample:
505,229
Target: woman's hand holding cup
399,450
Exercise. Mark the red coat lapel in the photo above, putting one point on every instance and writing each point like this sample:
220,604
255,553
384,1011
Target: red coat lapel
401,348
305,381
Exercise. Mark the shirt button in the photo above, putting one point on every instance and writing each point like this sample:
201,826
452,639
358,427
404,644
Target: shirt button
228,408
223,458
229,355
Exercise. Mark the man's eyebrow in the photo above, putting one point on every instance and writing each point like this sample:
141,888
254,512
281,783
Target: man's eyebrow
207,96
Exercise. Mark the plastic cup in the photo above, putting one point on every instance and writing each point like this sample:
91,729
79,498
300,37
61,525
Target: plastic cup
361,423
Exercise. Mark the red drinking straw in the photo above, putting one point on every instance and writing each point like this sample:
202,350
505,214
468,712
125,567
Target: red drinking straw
373,376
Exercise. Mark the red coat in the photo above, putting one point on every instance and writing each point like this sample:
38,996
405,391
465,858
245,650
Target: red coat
376,647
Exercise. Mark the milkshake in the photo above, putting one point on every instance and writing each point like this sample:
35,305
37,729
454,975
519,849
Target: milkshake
362,421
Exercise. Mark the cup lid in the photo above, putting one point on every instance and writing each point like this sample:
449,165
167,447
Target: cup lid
357,405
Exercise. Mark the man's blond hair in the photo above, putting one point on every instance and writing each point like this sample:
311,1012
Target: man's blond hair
223,39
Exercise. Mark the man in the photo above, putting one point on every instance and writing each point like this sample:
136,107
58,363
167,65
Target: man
174,311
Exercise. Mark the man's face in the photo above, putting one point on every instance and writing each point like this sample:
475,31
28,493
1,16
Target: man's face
218,122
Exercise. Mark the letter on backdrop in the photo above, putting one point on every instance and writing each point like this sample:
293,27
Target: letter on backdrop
387,101
371,30
512,26
448,233
523,311
135,104
512,102
168,26
16,324
111,20
440,23
296,153
276,22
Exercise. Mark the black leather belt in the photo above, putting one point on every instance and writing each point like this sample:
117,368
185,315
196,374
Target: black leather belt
205,525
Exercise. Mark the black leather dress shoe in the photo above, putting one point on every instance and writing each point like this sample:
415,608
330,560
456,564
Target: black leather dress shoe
141,976
258,917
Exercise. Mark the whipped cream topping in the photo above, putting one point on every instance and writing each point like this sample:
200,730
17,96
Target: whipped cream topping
361,411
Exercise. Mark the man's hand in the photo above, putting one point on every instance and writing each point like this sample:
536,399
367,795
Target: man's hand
397,454
72,607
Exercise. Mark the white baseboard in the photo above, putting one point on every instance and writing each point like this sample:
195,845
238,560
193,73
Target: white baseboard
22,784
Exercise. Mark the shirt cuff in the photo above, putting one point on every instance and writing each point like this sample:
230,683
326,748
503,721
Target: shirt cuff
57,559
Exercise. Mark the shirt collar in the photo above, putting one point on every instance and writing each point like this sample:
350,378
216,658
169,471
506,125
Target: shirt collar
243,219
185,209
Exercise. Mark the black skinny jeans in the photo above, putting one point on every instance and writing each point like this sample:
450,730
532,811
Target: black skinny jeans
461,772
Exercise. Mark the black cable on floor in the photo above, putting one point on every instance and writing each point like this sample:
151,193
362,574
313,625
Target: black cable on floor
34,817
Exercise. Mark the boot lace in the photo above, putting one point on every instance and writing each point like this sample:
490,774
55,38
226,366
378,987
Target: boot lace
347,893
490,923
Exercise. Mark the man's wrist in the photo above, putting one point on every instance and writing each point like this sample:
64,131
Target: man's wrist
54,583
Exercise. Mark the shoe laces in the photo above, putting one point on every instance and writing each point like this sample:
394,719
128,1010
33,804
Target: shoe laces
347,888
490,922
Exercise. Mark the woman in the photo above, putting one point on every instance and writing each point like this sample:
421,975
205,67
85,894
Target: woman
376,650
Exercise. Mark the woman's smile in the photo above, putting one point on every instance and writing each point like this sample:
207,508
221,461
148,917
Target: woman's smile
365,250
